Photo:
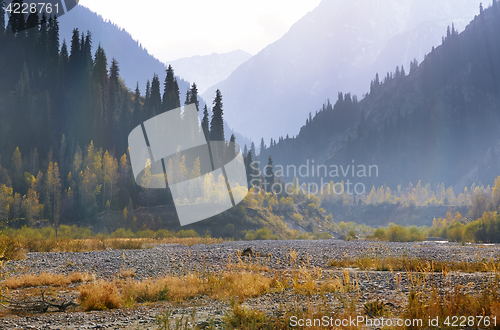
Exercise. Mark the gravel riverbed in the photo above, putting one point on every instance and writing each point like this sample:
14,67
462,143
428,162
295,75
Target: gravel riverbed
160,260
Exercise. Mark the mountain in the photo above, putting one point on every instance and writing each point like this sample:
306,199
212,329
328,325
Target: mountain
339,46
118,44
439,123
209,70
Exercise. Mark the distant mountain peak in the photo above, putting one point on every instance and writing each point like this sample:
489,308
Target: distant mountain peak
209,70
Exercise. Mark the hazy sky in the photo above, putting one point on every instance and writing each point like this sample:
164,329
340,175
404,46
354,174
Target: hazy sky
182,28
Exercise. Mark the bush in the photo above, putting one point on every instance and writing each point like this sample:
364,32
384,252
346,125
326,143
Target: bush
183,233
351,235
99,296
122,233
380,234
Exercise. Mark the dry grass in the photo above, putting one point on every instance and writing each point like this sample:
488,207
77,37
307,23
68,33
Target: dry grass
46,279
99,295
126,273
414,264
227,285
100,243
458,301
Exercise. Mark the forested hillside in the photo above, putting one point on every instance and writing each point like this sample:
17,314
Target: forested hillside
437,122
65,118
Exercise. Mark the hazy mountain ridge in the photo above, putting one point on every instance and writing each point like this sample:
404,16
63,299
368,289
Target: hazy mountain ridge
350,44
437,124
209,70
136,64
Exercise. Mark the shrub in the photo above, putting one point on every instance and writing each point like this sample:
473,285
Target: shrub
380,234
99,296
183,233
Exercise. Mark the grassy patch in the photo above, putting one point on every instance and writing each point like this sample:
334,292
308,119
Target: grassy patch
414,264
45,279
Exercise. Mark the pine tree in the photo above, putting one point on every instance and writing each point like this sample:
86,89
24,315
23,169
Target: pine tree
262,146
193,96
64,57
217,122
74,58
17,170
248,165
253,151
170,91
100,72
232,147
53,44
269,175
147,104
86,53
155,98
205,123
137,118
17,20
32,29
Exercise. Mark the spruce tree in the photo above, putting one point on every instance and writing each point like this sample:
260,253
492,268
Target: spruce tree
205,123
171,98
100,73
232,147
262,146
193,96
74,57
17,20
137,118
269,175
217,122
252,150
42,41
53,47
147,103
155,98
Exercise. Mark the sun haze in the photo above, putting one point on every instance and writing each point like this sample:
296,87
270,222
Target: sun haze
176,29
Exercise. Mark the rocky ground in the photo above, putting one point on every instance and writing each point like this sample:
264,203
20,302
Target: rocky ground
177,259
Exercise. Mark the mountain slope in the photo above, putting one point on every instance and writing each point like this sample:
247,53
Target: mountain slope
338,46
437,124
136,64
209,70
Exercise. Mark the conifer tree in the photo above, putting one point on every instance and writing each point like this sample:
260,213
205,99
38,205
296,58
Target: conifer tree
232,147
100,72
217,122
193,96
205,123
17,19
17,169
155,98
32,30
262,146
53,47
137,118
252,150
74,58
170,91
147,104
269,175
